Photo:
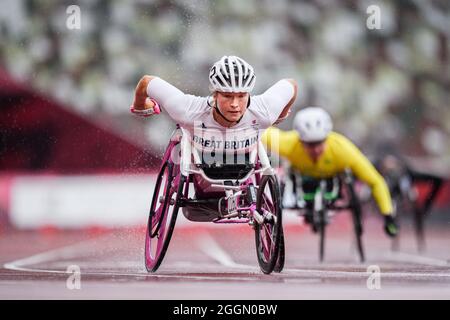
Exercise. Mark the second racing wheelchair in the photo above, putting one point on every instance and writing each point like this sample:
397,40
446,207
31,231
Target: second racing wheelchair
317,199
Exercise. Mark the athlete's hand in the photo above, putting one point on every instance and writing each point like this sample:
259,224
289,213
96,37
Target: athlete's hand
390,226
281,118
148,108
147,103
142,104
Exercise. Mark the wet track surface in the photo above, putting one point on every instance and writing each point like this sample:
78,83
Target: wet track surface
219,262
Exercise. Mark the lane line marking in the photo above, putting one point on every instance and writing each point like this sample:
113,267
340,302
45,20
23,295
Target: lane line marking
212,249
66,252
73,251
364,274
408,257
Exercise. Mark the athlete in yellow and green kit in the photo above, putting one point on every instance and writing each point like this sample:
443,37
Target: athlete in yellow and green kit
315,151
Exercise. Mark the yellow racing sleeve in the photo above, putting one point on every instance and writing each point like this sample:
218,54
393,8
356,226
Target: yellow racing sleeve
366,172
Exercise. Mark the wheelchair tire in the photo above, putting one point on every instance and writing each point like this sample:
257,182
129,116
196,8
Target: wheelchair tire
357,221
322,227
268,234
419,228
281,255
161,221
398,211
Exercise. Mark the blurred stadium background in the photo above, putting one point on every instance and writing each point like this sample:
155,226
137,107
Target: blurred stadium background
70,148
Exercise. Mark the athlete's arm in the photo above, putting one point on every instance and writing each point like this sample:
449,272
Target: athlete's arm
275,101
141,101
287,109
176,103
366,172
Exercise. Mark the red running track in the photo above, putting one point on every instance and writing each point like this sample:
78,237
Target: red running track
206,261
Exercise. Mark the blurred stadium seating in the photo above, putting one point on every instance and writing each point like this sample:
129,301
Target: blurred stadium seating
65,94
388,85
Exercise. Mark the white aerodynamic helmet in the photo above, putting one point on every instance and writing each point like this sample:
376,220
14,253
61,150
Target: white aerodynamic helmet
231,74
313,124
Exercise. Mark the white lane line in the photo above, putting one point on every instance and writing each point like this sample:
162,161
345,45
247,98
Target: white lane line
11,266
412,258
75,250
364,274
145,275
212,249
310,272
66,252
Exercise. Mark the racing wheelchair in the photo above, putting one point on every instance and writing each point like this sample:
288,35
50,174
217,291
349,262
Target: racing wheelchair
317,199
246,191
402,182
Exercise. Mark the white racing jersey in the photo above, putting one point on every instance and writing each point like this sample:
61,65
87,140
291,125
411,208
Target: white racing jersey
214,141
194,113
225,141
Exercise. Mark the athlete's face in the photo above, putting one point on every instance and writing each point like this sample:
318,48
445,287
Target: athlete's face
232,105
315,149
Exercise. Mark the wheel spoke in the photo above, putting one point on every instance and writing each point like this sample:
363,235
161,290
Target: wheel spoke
268,203
265,245
157,215
269,236
267,242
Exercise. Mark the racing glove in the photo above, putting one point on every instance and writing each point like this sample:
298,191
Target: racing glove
390,226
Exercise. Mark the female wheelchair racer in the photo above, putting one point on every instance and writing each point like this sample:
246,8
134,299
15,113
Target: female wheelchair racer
241,191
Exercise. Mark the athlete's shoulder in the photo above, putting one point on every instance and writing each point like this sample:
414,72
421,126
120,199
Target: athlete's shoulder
341,145
197,104
338,138
345,150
